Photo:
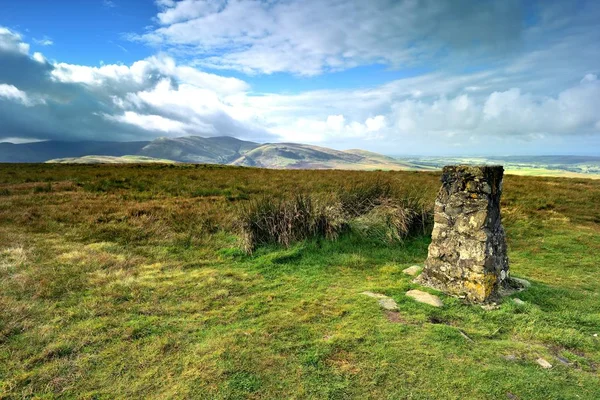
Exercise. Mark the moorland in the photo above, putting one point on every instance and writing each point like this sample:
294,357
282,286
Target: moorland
133,281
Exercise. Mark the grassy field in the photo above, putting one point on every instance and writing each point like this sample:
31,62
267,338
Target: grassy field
129,282
551,166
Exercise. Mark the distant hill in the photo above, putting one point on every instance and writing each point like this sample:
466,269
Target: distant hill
302,156
196,149
109,160
232,151
44,151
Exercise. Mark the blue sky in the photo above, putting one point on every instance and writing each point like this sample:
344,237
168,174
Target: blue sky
459,77
82,32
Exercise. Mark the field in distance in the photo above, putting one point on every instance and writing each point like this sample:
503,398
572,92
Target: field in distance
128,281
558,166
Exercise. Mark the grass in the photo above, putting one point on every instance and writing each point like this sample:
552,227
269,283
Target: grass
130,282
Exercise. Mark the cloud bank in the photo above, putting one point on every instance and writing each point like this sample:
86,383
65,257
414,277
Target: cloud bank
312,36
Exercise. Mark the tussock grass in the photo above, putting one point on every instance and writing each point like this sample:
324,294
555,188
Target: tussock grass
267,220
370,209
361,198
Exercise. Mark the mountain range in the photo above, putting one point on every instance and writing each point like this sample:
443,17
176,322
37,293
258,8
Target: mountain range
231,151
196,149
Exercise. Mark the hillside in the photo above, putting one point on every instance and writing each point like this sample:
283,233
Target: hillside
301,156
44,151
196,149
109,160
228,150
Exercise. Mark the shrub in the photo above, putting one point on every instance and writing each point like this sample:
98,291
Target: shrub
388,222
4,192
266,221
43,188
361,198
373,209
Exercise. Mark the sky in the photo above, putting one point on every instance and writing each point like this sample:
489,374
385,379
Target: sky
400,77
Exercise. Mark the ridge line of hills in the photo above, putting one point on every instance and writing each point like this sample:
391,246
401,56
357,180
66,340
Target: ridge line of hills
232,151
196,149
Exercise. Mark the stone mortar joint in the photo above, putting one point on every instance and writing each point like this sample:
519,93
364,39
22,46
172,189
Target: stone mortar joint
467,256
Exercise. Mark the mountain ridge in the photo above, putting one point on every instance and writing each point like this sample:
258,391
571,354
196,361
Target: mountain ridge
197,149
229,150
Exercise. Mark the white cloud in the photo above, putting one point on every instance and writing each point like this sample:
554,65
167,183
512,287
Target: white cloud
144,70
186,9
308,37
375,124
12,41
45,41
39,57
154,123
11,92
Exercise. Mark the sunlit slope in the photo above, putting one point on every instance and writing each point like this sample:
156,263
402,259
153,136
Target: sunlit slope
302,156
196,149
108,160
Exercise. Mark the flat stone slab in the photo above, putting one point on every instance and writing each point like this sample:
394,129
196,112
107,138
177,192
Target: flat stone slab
543,363
413,270
385,302
424,297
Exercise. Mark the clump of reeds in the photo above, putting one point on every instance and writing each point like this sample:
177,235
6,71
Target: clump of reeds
359,199
387,222
371,209
267,220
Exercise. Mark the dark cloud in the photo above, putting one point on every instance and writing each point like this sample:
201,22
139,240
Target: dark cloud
70,102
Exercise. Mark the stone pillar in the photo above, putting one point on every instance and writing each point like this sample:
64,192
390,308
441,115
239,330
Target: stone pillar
467,255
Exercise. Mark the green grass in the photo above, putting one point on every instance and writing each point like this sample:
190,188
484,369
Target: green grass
123,282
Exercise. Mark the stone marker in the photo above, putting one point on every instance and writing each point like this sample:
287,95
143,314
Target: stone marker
424,297
467,255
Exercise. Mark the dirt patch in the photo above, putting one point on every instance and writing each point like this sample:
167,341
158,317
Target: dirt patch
395,317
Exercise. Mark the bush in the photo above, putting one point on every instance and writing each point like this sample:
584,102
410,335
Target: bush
368,209
267,221
43,189
360,199
386,223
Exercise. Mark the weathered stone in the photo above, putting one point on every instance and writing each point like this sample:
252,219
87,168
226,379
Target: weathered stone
563,360
424,297
385,302
490,306
467,256
543,363
523,283
519,302
412,271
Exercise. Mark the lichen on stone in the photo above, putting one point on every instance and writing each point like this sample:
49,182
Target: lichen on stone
467,255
